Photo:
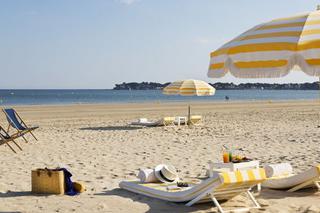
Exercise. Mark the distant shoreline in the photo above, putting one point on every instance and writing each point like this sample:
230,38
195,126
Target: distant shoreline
168,103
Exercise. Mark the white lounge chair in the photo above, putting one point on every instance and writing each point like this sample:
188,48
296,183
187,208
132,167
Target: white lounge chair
292,182
166,121
222,186
195,119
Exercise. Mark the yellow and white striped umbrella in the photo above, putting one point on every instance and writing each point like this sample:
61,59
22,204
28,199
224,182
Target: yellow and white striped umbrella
189,88
271,49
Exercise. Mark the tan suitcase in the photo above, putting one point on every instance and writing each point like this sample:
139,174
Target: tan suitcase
46,181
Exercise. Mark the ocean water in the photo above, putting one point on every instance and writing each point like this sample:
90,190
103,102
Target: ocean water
47,97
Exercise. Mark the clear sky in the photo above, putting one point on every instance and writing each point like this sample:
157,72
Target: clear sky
97,43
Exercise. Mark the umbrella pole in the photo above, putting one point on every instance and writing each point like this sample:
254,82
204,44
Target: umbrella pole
319,88
189,112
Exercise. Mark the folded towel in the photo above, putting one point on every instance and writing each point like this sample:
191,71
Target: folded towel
143,120
280,169
69,190
147,176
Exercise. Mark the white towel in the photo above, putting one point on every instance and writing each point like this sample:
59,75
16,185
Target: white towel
143,120
280,169
147,176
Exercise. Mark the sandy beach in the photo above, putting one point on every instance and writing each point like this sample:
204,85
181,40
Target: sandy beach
96,144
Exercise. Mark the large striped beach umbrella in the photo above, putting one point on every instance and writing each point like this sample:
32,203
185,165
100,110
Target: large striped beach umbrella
271,49
189,88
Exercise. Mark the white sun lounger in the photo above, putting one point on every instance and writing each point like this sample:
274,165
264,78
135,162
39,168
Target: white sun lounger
293,182
166,121
222,186
195,119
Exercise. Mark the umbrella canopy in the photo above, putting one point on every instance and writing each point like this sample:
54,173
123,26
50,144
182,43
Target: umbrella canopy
189,88
271,49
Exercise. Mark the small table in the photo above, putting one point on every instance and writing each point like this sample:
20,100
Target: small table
231,167
180,120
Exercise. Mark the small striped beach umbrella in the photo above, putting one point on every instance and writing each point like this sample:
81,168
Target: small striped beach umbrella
189,88
271,49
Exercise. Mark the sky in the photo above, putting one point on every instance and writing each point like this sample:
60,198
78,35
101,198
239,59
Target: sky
94,44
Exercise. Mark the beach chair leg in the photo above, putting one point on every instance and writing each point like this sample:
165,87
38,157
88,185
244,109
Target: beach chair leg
24,139
17,145
216,203
11,147
300,186
199,197
317,184
257,205
33,135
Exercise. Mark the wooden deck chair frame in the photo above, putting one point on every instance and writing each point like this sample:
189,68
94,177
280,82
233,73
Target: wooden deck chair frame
315,181
5,139
212,195
22,132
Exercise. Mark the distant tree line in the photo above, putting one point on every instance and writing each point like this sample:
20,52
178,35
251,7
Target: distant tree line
289,86
222,86
140,86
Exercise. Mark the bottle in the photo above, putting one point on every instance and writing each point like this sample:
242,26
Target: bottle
230,156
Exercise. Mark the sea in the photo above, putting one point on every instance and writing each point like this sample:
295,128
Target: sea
57,97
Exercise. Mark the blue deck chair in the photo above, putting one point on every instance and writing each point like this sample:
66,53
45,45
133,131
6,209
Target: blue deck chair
5,138
17,123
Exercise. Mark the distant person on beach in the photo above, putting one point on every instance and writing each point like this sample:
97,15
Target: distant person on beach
227,98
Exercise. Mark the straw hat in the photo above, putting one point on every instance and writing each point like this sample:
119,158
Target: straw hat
166,173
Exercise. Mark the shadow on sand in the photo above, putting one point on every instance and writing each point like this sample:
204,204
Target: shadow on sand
156,205
280,194
112,128
17,194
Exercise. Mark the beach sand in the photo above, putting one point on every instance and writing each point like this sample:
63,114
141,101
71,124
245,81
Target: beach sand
95,143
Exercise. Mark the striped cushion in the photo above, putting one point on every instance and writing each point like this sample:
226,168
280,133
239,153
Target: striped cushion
242,177
168,119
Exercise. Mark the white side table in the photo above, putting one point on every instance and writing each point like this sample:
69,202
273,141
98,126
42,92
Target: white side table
180,120
231,167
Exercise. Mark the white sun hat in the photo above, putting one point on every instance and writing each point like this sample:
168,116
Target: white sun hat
166,173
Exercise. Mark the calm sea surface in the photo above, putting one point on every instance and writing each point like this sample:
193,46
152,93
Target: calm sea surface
38,97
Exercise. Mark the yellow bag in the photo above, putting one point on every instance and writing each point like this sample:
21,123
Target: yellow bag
46,181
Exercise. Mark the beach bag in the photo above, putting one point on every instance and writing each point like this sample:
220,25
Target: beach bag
47,181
